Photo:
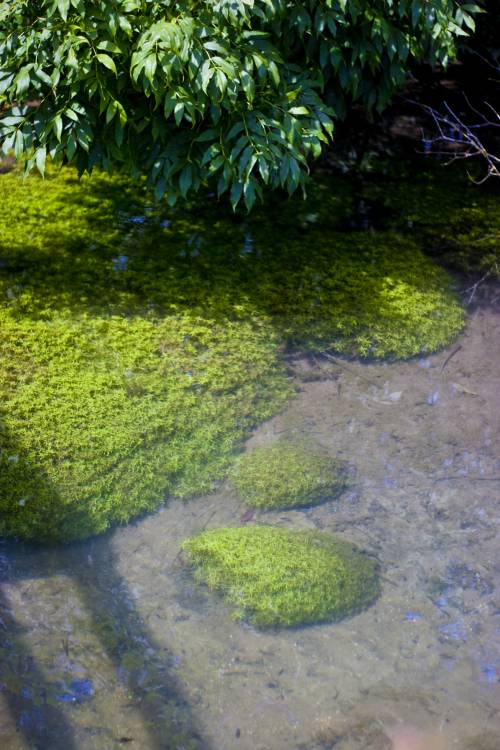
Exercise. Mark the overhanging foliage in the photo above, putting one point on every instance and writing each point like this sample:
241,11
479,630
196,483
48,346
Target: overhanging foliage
238,92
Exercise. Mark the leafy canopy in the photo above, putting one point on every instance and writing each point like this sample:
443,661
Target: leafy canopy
235,92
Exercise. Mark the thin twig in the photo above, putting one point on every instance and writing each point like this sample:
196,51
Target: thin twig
449,357
475,286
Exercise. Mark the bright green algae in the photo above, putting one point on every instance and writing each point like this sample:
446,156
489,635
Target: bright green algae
276,577
284,475
139,345
107,405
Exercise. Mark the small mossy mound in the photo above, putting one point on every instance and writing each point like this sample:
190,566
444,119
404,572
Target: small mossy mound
285,475
276,577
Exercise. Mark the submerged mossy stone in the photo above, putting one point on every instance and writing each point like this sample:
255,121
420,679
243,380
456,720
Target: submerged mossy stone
139,345
285,475
276,577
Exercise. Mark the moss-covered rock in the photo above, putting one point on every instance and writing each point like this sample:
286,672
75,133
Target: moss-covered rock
139,344
276,577
286,475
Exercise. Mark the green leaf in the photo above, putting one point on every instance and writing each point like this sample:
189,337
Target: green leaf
178,112
40,158
71,114
207,135
111,111
63,7
57,126
236,193
274,73
107,61
206,75
70,146
72,60
185,179
264,169
248,85
22,80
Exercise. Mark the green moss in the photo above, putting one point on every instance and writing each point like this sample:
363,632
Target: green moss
450,215
285,475
108,405
275,577
139,345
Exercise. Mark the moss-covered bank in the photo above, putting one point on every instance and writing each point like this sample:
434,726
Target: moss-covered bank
276,577
139,345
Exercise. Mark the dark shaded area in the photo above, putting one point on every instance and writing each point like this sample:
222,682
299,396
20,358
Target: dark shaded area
42,690
468,86
41,706
42,724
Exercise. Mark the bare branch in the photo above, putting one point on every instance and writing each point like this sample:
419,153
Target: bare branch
456,139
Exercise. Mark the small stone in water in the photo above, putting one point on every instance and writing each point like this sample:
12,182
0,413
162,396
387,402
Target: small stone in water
454,630
413,616
82,688
424,363
395,395
433,398
490,673
66,698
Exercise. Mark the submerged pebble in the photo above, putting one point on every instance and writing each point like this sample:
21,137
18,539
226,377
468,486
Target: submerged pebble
424,363
78,692
489,674
454,630
412,616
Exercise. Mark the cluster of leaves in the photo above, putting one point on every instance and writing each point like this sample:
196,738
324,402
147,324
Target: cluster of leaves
284,578
238,93
286,475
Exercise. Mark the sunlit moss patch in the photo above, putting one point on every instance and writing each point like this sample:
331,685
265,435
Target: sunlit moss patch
275,577
285,475
139,344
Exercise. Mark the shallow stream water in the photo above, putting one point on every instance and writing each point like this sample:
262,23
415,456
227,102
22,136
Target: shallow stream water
110,644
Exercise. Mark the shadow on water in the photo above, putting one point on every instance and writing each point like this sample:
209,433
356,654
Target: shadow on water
40,696
41,723
65,613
